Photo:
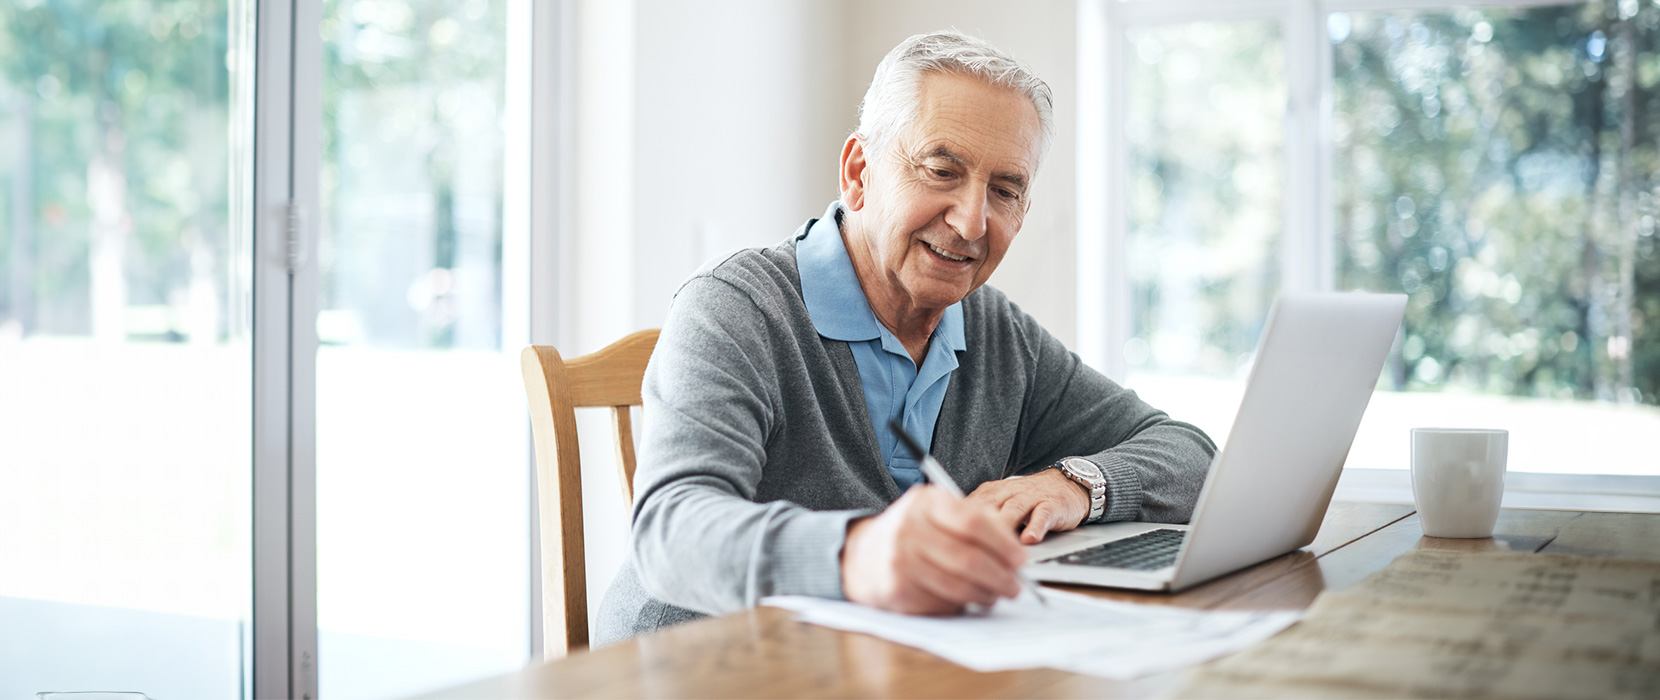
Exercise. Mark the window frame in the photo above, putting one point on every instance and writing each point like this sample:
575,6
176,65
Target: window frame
287,152
1307,260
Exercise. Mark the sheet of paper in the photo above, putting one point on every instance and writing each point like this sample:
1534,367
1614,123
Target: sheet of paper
1074,633
1447,624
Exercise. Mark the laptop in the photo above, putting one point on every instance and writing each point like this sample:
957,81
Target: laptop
1267,491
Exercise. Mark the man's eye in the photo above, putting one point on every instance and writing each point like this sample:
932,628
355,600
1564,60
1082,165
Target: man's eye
940,173
1007,194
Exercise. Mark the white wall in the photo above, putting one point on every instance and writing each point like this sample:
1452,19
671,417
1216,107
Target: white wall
705,126
740,120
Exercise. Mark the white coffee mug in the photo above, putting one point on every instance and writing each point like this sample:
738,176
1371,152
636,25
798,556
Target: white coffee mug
1458,479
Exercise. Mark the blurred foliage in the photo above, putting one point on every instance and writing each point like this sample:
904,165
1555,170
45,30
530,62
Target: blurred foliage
1500,167
141,86
1206,193
413,97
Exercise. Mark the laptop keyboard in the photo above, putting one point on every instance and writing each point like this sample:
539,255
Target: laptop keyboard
1150,550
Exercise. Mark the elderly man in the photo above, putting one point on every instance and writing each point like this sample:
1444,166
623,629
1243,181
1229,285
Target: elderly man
767,465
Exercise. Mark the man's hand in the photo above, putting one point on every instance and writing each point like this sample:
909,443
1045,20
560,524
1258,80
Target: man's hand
930,554
1036,505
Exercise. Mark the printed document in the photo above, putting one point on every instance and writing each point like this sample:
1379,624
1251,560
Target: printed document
1451,624
1073,632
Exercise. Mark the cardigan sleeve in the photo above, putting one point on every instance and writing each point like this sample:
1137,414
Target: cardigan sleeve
1155,466
711,401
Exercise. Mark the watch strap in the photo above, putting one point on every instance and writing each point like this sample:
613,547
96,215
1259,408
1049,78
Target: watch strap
1086,474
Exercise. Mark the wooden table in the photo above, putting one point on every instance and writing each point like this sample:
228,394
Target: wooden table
764,653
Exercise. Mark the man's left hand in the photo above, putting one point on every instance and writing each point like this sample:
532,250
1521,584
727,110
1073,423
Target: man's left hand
1036,505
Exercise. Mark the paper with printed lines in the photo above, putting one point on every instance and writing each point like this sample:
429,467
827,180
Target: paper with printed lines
1451,624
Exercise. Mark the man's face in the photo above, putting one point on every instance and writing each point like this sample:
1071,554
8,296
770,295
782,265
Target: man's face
938,208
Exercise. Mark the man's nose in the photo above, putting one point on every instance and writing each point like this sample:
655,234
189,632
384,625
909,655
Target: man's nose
968,215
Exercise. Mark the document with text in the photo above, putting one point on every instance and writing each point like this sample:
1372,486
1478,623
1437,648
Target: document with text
1073,632
1452,624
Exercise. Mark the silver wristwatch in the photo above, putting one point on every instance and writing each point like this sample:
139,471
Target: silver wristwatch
1089,476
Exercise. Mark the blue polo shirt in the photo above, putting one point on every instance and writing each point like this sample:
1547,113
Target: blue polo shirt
895,387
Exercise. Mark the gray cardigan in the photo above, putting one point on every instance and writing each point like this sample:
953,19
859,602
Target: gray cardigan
757,450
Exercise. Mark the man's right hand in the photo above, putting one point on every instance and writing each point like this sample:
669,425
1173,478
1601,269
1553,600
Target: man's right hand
930,554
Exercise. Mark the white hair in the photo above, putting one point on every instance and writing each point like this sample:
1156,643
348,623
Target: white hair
894,98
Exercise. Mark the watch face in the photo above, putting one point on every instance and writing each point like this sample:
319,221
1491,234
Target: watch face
1083,469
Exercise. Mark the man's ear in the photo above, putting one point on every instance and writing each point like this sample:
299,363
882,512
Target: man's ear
854,168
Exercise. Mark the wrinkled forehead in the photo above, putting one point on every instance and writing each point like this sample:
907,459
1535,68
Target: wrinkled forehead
974,124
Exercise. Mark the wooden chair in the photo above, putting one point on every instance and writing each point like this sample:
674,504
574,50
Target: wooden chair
555,386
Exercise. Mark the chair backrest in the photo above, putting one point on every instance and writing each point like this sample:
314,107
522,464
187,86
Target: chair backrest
555,387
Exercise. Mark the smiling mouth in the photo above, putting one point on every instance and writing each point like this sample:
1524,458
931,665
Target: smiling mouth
945,254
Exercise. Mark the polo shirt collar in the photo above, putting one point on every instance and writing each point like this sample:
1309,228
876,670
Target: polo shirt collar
836,303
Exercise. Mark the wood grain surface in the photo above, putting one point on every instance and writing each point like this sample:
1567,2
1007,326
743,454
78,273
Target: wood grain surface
1617,535
764,653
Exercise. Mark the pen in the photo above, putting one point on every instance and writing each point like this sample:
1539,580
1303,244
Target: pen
934,472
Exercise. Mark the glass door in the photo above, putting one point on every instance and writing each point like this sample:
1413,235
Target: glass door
140,417
125,356
422,460
1206,146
